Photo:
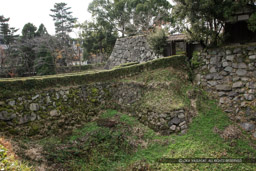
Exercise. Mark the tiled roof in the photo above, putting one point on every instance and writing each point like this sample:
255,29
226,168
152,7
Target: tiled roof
177,37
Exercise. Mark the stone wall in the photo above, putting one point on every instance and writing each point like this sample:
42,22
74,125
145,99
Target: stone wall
229,73
56,110
130,49
39,106
10,87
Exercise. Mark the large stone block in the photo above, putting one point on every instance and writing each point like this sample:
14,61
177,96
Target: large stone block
213,70
5,116
12,103
241,72
237,50
54,113
209,77
249,97
212,83
224,87
252,85
225,64
242,66
213,60
175,121
224,100
252,57
228,69
238,84
254,134
234,65
228,52
230,57
34,107
248,126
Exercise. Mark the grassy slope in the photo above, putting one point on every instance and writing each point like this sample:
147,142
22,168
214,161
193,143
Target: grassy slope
119,142
168,91
95,147
130,145
201,142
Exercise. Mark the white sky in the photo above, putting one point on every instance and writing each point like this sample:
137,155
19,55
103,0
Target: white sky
37,12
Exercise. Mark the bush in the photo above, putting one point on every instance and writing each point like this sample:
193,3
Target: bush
158,40
44,65
195,61
252,22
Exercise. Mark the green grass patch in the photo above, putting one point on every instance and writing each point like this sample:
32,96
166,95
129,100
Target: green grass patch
202,142
162,75
102,146
162,100
168,89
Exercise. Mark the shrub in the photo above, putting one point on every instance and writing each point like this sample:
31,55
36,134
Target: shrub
158,40
44,64
195,61
252,22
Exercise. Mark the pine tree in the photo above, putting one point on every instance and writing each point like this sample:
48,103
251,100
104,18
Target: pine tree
7,31
64,21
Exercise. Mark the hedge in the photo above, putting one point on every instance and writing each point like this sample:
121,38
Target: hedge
78,68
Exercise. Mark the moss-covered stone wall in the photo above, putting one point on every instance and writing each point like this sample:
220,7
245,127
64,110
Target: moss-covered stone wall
10,87
51,105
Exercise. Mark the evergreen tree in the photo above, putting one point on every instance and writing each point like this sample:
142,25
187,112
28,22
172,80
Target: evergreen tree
98,39
41,30
64,21
117,13
131,17
204,21
7,31
29,31
146,14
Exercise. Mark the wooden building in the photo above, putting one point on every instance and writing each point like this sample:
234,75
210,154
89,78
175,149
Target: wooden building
189,47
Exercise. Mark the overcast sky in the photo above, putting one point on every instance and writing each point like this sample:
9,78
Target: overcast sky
37,12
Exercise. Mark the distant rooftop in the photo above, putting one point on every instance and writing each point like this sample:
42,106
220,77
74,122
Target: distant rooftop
3,47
